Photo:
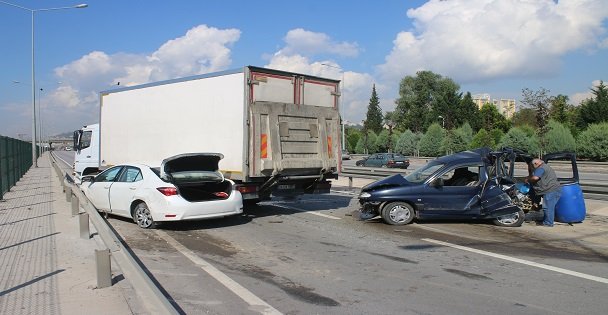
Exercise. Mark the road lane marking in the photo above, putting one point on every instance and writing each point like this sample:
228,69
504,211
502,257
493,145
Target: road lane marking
520,261
309,212
255,302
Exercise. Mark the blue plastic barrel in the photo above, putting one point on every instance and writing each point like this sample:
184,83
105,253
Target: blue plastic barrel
571,205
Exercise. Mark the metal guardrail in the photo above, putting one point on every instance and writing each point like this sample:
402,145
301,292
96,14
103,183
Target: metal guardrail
596,190
149,293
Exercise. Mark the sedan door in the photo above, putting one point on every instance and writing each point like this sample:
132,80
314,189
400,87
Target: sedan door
454,198
124,189
98,191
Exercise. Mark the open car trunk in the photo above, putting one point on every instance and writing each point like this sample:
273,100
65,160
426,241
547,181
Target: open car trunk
197,176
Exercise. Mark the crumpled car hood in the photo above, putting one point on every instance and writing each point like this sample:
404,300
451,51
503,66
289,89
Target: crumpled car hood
391,181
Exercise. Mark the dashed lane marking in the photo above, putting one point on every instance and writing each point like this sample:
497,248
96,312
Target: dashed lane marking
255,302
520,261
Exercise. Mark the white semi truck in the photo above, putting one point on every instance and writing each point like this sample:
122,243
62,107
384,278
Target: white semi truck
278,131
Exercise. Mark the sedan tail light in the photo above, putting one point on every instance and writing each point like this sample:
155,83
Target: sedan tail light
390,162
167,191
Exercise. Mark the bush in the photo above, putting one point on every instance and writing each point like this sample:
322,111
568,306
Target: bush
454,141
430,144
518,138
382,144
408,143
559,138
482,139
593,142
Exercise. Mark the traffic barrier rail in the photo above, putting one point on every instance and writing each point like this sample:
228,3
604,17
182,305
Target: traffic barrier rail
151,296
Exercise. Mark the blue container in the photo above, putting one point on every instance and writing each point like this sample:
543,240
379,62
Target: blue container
571,205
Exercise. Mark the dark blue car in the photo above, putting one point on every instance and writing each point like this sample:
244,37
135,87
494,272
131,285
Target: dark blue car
465,185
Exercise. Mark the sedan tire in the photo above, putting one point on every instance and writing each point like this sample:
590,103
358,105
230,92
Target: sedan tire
143,217
511,220
398,213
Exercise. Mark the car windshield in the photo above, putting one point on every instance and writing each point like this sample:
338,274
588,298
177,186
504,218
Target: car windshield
422,174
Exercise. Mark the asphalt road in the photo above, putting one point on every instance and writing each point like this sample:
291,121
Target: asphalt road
313,256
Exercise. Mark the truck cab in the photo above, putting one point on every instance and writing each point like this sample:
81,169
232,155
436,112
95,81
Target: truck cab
86,150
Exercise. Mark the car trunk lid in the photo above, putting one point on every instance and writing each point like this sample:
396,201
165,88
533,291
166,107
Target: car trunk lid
192,168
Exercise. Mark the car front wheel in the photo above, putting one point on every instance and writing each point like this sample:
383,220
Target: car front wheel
398,213
511,220
143,217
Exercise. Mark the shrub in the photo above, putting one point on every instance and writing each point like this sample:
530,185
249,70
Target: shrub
593,142
430,144
518,138
559,138
482,139
407,143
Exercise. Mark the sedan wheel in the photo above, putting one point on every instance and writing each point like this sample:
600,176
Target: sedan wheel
398,213
143,217
511,220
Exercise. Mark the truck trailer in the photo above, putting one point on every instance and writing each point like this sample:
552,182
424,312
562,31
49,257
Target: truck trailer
278,131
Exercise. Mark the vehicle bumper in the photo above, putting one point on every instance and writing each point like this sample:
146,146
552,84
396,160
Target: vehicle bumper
175,208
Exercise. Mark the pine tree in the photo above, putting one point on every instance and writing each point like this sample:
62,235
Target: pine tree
374,116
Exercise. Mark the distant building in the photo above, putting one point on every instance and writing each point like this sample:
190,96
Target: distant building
505,106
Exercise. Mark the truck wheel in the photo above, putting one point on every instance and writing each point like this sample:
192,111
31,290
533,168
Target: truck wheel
511,220
397,213
143,217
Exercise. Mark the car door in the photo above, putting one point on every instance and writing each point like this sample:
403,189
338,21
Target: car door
373,161
123,190
461,199
98,191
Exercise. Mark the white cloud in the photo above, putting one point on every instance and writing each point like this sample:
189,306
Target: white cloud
308,43
479,40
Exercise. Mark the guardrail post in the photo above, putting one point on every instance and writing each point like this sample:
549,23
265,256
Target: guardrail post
350,182
83,221
104,268
75,204
68,194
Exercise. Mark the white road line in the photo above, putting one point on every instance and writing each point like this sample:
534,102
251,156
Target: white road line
520,261
309,212
255,302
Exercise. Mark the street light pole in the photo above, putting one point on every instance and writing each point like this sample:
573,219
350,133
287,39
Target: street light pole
33,11
442,121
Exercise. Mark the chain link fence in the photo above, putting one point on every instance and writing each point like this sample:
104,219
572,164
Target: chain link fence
15,160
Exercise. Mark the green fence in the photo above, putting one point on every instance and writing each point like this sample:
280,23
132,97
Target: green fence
15,160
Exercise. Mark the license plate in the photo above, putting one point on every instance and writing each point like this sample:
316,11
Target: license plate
285,187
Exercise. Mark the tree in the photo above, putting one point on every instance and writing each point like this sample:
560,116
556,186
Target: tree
524,117
595,110
422,99
540,101
466,131
374,118
429,144
491,118
454,141
383,141
593,142
352,137
559,138
482,139
469,112
559,109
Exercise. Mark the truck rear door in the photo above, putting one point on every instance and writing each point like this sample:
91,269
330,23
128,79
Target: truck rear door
294,126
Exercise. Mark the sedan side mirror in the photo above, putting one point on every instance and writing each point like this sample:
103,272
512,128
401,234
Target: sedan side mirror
437,182
88,178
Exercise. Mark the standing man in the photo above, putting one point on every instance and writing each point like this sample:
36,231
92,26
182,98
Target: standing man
545,184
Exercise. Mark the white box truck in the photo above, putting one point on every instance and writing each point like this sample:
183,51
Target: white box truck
279,131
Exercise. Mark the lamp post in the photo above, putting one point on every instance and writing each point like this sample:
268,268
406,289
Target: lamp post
33,11
442,121
341,102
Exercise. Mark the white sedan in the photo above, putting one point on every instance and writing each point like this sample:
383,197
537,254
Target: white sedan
185,187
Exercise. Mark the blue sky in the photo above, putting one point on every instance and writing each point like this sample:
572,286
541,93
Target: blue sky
487,46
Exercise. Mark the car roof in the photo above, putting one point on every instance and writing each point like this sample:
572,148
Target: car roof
471,156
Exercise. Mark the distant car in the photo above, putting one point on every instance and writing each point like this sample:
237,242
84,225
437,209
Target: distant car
390,160
68,148
345,155
185,187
